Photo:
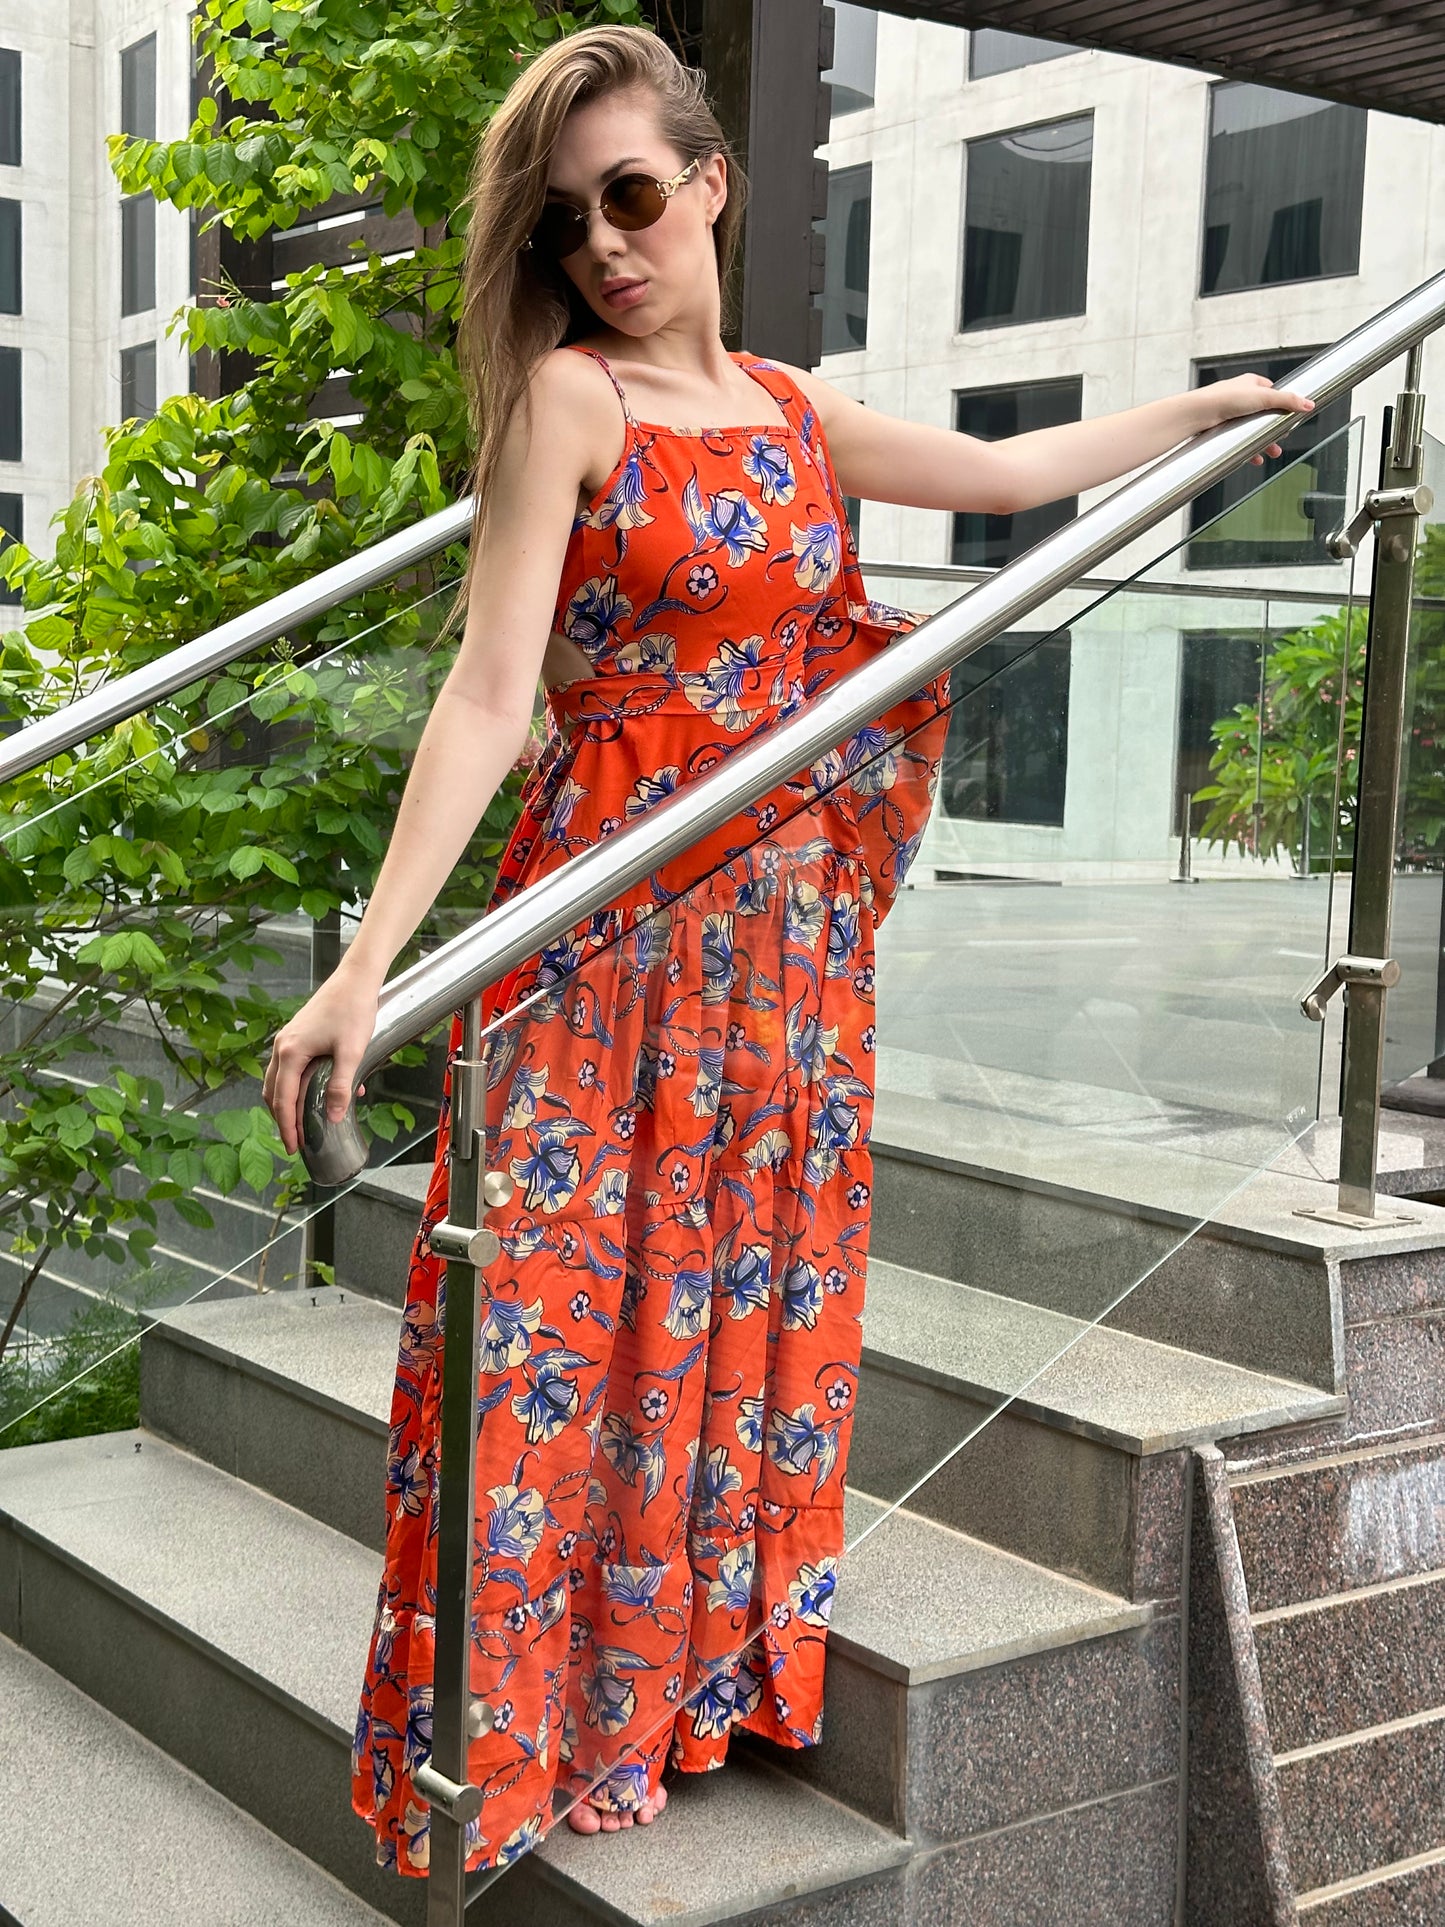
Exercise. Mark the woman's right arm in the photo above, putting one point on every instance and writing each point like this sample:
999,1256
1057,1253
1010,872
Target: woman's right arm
472,738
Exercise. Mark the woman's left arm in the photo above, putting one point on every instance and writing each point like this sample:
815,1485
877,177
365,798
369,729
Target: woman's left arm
886,459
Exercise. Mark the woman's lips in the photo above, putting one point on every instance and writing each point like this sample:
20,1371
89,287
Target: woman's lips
624,297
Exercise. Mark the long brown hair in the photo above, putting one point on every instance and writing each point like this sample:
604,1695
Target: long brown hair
513,310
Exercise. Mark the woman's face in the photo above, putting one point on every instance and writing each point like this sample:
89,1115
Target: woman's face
639,280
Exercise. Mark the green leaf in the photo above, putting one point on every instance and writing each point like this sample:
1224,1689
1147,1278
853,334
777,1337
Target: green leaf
258,1167
223,1166
185,1168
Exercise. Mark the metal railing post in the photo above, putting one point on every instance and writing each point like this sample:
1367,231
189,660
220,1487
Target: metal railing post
1368,972
457,1718
319,1247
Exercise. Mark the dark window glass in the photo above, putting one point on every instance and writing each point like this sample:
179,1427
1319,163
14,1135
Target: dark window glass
1288,521
855,53
845,274
137,254
9,257
10,405
993,51
138,89
1220,669
9,107
138,381
1283,188
12,529
988,541
1026,224
1005,758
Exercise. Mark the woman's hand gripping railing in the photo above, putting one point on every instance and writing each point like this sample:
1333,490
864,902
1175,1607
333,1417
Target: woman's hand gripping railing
334,1150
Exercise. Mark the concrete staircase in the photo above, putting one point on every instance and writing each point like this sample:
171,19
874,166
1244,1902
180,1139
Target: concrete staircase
1005,1684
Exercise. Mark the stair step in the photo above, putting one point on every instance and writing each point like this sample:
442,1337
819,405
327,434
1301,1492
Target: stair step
228,1628
290,1391
1337,1524
376,1225
1133,1393
198,1608
1364,1799
728,1845
105,1813
294,1388
1407,1893
966,1604
1358,1659
1072,1472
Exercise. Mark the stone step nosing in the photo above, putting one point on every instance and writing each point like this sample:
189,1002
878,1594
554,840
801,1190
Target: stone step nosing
159,1327
1375,1877
144,1608
1026,1646
1379,1448
1362,1736
1321,1405
1324,1244
1302,1608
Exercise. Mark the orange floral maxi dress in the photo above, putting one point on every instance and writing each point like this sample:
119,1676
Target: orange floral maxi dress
670,1336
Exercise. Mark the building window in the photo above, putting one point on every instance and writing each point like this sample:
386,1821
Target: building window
12,529
1284,521
137,254
1283,188
138,381
1026,224
9,405
9,107
855,56
1005,757
845,272
988,541
138,89
9,257
992,51
1219,670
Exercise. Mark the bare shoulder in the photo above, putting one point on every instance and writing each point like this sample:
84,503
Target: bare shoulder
575,407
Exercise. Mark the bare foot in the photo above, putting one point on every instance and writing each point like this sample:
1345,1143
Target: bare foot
583,1817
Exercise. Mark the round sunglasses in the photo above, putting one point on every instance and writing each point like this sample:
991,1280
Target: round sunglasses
630,202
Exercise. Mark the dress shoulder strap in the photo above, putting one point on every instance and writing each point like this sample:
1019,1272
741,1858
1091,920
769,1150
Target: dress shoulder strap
607,370
795,405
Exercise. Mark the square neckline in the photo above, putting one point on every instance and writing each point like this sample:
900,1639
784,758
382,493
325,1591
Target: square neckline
784,427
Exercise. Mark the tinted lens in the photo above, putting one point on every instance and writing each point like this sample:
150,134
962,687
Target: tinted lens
560,230
633,201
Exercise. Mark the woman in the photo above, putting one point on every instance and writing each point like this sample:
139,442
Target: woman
670,1336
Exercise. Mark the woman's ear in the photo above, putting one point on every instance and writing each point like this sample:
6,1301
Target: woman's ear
716,178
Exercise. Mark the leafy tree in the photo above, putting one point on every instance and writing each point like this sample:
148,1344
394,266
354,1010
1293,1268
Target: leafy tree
1269,768
138,875
1274,763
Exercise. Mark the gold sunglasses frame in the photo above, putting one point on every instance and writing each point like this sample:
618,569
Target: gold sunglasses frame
666,188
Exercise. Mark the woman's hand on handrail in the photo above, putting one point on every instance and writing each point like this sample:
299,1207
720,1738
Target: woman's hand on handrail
336,1021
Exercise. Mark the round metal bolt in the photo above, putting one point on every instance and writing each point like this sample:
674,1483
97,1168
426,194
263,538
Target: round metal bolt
481,1718
497,1188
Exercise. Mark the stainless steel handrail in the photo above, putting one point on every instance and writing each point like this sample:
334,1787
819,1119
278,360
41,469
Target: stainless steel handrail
517,930
128,695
